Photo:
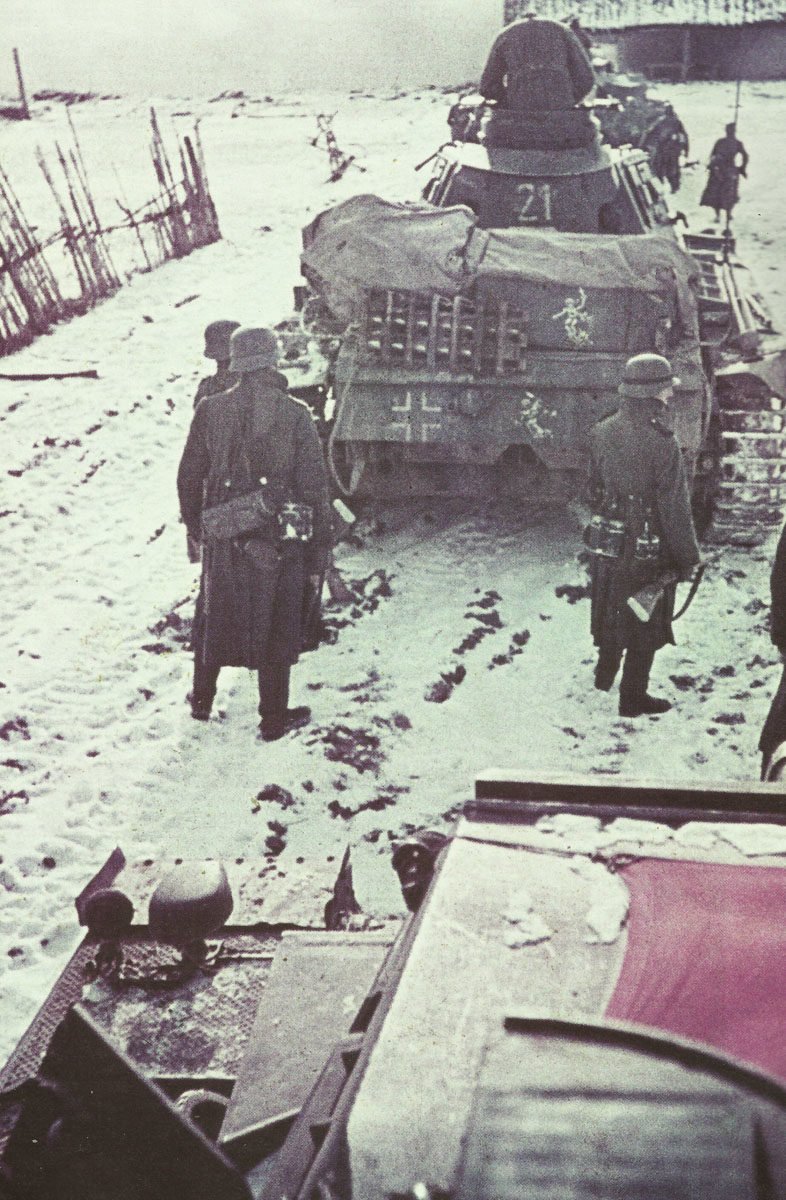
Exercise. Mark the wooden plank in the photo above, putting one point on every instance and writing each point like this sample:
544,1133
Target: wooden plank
511,795
317,983
39,376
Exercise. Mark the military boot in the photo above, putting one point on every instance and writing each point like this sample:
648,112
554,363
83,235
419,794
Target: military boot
273,728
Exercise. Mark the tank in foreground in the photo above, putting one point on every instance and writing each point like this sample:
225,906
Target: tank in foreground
586,998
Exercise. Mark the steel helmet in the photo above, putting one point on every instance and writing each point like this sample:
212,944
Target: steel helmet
645,375
253,349
217,335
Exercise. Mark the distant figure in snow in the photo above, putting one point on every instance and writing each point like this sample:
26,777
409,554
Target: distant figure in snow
642,511
666,140
772,742
253,490
217,335
537,65
729,160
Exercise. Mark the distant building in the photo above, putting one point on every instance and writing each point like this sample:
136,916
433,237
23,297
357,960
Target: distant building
680,39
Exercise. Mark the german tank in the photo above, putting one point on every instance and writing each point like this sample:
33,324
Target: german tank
585,998
479,333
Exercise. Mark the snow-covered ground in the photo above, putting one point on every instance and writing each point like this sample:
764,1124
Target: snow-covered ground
98,748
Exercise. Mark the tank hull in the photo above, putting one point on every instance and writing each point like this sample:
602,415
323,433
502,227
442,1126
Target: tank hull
485,331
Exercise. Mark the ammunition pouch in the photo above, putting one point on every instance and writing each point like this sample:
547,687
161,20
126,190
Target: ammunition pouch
605,536
249,514
253,516
625,531
647,547
295,522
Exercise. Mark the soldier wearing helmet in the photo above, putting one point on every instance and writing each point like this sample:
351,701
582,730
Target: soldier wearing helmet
253,489
640,489
217,335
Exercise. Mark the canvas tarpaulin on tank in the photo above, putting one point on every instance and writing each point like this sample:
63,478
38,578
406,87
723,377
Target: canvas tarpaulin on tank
647,262
369,242
706,957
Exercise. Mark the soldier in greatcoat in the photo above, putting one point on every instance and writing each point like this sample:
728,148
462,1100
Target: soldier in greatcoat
538,65
638,479
217,336
666,140
773,736
254,441
728,161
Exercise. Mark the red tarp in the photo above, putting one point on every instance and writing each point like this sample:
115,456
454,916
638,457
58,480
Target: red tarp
706,957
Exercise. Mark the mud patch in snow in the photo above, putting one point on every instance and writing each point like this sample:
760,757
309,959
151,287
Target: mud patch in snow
366,596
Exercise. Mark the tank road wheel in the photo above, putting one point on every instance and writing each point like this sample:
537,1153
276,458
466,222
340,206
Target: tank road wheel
751,487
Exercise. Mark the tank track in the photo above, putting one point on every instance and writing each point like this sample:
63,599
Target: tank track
750,493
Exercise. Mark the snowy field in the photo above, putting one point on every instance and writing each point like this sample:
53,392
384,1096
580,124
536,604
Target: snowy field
98,747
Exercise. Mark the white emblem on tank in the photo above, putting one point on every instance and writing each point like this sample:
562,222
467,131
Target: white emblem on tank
531,410
578,321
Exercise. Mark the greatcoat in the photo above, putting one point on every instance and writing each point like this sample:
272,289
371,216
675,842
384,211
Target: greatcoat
249,611
537,64
774,731
729,160
636,462
211,385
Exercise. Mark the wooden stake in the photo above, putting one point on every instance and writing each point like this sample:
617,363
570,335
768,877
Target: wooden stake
80,230
19,260
72,244
78,162
21,82
166,178
44,272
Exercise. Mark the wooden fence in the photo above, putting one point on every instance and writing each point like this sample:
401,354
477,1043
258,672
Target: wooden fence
34,296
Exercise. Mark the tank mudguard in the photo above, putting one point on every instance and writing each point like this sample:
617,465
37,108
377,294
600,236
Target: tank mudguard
770,369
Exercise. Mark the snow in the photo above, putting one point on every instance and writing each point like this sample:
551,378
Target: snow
609,901
526,927
100,749
627,14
